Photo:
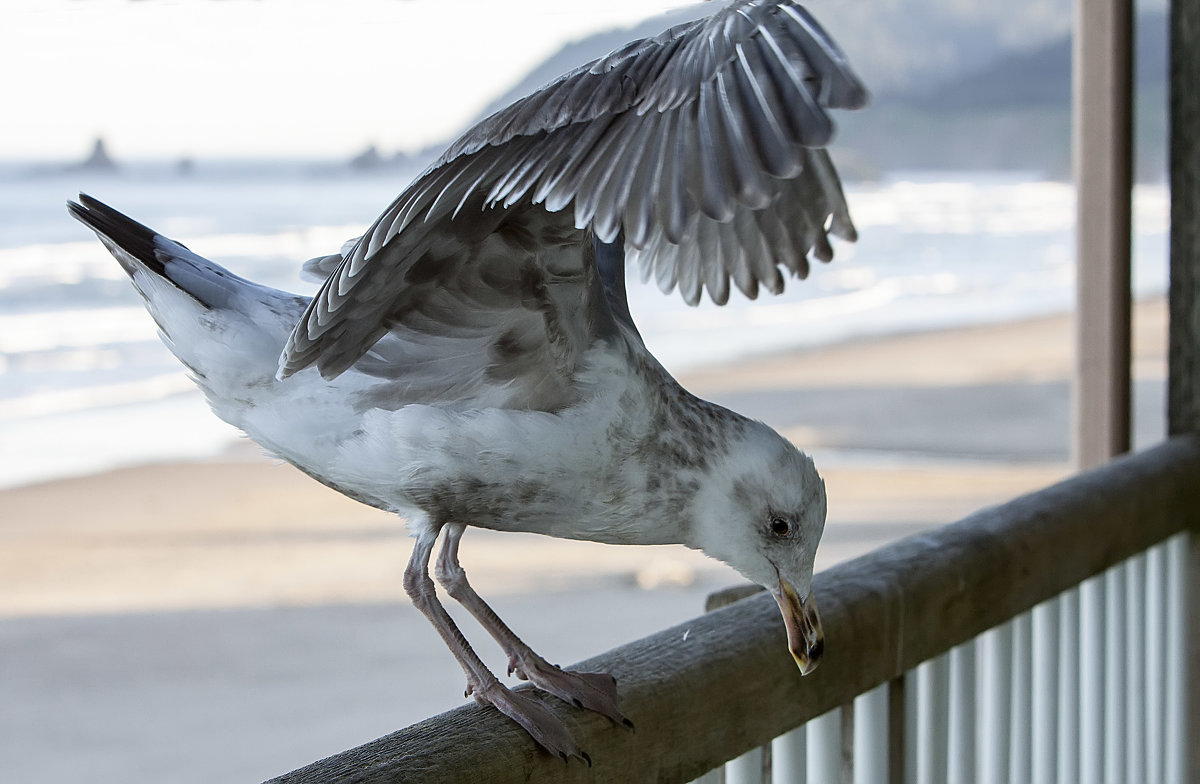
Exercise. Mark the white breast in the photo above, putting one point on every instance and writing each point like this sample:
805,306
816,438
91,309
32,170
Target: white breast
563,474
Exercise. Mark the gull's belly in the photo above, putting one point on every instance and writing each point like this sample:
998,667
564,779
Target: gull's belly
571,474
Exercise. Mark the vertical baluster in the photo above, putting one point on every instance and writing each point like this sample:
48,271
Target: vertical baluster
1176,674
746,769
962,742
1091,679
1045,692
933,687
1069,744
898,730
871,760
847,776
788,757
1156,655
1136,684
825,747
1020,720
911,737
994,722
1114,674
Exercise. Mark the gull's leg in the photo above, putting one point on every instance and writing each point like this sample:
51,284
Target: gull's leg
537,719
591,690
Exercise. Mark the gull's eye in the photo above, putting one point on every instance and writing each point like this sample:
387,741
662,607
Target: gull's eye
780,526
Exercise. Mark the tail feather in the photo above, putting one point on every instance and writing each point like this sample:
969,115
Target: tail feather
124,232
229,333
139,248
227,330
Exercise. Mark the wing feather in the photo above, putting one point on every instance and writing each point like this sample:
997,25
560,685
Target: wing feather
689,263
581,159
749,173
674,205
664,265
611,202
638,218
713,185
701,147
763,112
839,88
599,170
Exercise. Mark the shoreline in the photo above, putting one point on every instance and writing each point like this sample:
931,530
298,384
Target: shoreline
244,530
863,360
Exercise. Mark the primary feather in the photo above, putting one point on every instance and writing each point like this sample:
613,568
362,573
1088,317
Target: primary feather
706,138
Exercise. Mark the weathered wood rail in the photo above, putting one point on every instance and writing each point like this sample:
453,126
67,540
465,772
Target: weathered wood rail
722,684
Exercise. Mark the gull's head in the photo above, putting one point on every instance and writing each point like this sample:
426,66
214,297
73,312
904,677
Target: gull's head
762,511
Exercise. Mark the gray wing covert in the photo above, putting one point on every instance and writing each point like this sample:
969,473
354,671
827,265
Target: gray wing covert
702,145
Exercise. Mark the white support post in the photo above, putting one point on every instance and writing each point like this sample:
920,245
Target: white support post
911,736
1020,719
825,747
1177,660
933,689
1069,744
1157,611
995,718
1091,679
871,739
789,757
1046,689
1136,683
963,740
746,769
1115,674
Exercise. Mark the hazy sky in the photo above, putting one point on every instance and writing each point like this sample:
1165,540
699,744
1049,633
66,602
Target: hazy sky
164,78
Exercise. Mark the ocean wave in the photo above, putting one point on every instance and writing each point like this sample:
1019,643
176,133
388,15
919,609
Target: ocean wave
80,357
64,401
50,330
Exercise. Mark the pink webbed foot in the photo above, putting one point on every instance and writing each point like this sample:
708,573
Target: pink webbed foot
595,691
536,719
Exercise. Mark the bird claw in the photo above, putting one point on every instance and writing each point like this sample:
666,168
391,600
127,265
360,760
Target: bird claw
535,718
595,691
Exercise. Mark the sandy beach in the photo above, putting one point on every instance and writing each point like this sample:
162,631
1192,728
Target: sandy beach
231,619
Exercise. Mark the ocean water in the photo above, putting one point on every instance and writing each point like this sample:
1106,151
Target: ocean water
85,384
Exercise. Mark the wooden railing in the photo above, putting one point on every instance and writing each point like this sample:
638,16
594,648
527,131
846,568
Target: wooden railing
722,685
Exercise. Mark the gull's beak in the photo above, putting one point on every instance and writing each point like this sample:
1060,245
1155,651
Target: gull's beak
806,641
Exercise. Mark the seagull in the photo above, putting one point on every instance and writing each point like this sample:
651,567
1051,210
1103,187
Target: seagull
471,359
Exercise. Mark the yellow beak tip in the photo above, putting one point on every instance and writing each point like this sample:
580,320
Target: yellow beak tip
808,660
806,641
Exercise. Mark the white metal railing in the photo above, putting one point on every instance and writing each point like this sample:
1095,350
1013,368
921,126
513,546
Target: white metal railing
1085,687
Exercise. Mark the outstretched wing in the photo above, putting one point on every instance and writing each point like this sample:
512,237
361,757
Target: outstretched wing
703,145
